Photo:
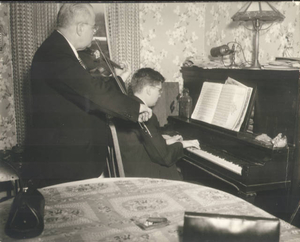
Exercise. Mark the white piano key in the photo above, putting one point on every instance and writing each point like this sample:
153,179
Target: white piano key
217,160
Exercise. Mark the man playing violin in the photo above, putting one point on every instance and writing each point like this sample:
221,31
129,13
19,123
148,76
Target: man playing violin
68,136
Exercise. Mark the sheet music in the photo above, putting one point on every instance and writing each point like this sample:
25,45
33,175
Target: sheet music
207,102
246,101
229,107
223,105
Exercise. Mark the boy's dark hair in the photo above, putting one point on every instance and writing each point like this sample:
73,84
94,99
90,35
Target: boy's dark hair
145,77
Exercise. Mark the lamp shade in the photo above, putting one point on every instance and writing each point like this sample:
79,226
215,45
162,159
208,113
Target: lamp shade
262,11
7,173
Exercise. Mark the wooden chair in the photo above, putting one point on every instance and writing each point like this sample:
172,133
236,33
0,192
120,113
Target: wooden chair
114,159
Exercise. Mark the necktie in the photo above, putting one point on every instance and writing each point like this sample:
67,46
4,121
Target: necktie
81,62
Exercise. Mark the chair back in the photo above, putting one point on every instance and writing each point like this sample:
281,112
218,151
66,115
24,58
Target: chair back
114,159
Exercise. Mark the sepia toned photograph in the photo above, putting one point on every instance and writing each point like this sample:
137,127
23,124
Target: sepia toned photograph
150,121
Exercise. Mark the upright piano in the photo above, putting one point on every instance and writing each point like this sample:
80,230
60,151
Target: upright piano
237,158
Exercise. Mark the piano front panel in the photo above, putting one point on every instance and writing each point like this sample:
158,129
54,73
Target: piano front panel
253,179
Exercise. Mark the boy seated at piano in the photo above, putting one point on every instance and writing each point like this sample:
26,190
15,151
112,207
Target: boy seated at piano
144,150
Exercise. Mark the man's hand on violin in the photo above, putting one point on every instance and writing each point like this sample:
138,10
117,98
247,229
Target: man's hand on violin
145,113
125,72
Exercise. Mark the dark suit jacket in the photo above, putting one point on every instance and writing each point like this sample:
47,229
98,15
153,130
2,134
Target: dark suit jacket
68,137
145,156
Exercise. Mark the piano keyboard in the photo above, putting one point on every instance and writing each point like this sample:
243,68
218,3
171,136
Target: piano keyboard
217,160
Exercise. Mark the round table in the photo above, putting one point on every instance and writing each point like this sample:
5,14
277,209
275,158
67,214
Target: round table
102,209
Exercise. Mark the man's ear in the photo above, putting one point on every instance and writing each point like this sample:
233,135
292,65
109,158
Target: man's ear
80,28
148,90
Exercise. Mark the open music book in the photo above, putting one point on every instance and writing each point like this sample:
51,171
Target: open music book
223,105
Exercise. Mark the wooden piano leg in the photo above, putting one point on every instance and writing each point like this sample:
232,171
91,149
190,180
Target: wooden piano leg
249,196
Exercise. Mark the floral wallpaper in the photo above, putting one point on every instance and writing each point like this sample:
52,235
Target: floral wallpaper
171,32
7,110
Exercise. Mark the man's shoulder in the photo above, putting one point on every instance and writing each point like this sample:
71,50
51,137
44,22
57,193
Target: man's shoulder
54,40
54,44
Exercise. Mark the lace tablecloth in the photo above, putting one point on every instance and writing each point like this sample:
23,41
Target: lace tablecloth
101,210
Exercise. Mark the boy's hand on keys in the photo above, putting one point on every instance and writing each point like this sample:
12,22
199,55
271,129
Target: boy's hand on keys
191,143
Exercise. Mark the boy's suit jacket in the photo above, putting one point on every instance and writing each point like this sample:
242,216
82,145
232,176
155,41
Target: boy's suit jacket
145,156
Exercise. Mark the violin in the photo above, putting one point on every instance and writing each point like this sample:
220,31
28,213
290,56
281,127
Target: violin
97,63
95,60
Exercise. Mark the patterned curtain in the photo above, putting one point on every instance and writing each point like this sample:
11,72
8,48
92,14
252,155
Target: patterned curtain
31,23
122,21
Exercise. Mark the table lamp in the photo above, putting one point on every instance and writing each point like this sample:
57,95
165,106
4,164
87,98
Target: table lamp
259,13
9,173
26,215
222,51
